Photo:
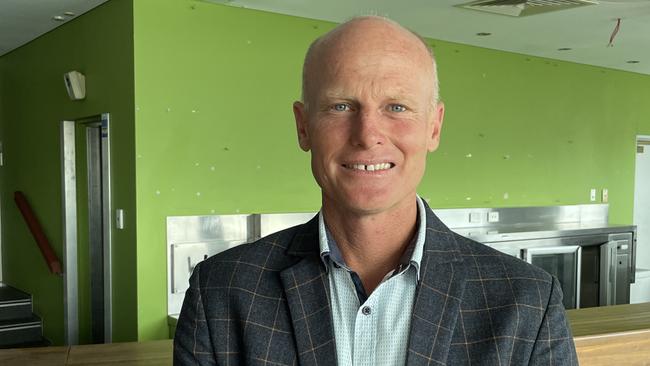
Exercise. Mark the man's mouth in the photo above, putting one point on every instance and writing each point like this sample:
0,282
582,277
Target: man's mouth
369,167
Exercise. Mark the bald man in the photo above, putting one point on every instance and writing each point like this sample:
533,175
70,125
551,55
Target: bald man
375,278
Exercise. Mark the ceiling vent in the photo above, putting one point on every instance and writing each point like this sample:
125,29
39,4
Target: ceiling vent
520,8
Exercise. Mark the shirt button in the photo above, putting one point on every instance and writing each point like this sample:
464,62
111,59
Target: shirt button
366,310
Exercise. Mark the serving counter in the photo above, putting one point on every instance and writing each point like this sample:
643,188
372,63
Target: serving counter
612,335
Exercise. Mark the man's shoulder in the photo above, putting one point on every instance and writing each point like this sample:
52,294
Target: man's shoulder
512,287
480,259
257,259
261,251
487,261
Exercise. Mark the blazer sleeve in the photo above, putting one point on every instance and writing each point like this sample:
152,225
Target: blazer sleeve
192,344
554,344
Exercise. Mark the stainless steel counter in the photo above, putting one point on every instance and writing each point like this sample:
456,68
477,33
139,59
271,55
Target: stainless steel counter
536,231
518,231
593,259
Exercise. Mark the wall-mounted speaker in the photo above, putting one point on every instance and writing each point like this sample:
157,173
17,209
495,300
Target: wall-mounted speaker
75,84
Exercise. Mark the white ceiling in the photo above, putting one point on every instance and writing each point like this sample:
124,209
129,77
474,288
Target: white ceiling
586,30
23,20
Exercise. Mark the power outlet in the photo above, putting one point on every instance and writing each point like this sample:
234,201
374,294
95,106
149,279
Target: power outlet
605,195
493,216
592,195
194,259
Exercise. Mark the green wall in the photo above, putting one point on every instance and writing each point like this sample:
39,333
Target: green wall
33,102
215,133
543,131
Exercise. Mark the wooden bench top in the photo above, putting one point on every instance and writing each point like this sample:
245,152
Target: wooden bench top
612,335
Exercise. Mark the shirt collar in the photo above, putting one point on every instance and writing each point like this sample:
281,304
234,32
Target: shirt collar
329,250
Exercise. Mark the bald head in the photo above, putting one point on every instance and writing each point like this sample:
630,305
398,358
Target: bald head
368,35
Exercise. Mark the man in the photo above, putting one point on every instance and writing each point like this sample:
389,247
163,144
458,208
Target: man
375,278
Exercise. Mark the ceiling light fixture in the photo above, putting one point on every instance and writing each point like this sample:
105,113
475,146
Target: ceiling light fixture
69,14
633,62
483,34
58,18
564,49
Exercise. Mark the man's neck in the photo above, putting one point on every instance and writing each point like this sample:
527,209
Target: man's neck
372,244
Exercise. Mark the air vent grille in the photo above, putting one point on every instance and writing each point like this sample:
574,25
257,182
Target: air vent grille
518,8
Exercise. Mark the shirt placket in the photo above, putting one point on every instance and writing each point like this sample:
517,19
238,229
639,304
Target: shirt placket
365,333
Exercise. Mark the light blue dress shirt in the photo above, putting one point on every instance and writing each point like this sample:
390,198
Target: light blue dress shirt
372,330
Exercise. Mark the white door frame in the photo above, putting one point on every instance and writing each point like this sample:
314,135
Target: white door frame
644,140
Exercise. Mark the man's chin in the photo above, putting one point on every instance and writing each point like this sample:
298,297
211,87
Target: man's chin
367,205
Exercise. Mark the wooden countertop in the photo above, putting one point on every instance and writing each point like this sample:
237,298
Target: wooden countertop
611,335
127,354
609,319
624,348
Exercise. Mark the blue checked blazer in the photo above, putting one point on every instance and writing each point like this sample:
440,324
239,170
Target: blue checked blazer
267,303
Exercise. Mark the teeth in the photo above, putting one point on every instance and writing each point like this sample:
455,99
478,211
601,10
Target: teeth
371,167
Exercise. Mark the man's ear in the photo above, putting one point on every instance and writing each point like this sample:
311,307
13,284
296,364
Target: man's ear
436,126
300,115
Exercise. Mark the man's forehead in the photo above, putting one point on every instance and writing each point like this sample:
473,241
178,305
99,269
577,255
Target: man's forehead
345,72
364,46
372,61
351,93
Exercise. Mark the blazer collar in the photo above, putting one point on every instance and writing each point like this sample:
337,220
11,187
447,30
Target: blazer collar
438,295
439,239
440,242
305,241
307,290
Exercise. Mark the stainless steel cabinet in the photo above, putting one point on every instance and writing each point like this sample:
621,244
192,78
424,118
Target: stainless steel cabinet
615,264
593,270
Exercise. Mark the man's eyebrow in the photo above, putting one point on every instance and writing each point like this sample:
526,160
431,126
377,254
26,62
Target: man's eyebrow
346,96
397,97
404,98
392,96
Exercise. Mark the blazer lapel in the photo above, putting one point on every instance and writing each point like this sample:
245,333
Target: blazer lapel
307,290
438,297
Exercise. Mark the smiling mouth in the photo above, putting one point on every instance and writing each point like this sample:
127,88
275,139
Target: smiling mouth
369,167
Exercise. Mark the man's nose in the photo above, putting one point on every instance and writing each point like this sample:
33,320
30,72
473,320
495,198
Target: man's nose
367,130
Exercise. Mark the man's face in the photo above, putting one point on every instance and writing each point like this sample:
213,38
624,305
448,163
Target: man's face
370,122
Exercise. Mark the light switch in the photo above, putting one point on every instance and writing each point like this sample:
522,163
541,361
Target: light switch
605,195
592,195
474,217
119,218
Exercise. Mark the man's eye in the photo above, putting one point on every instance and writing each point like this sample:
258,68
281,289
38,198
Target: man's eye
396,108
341,107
